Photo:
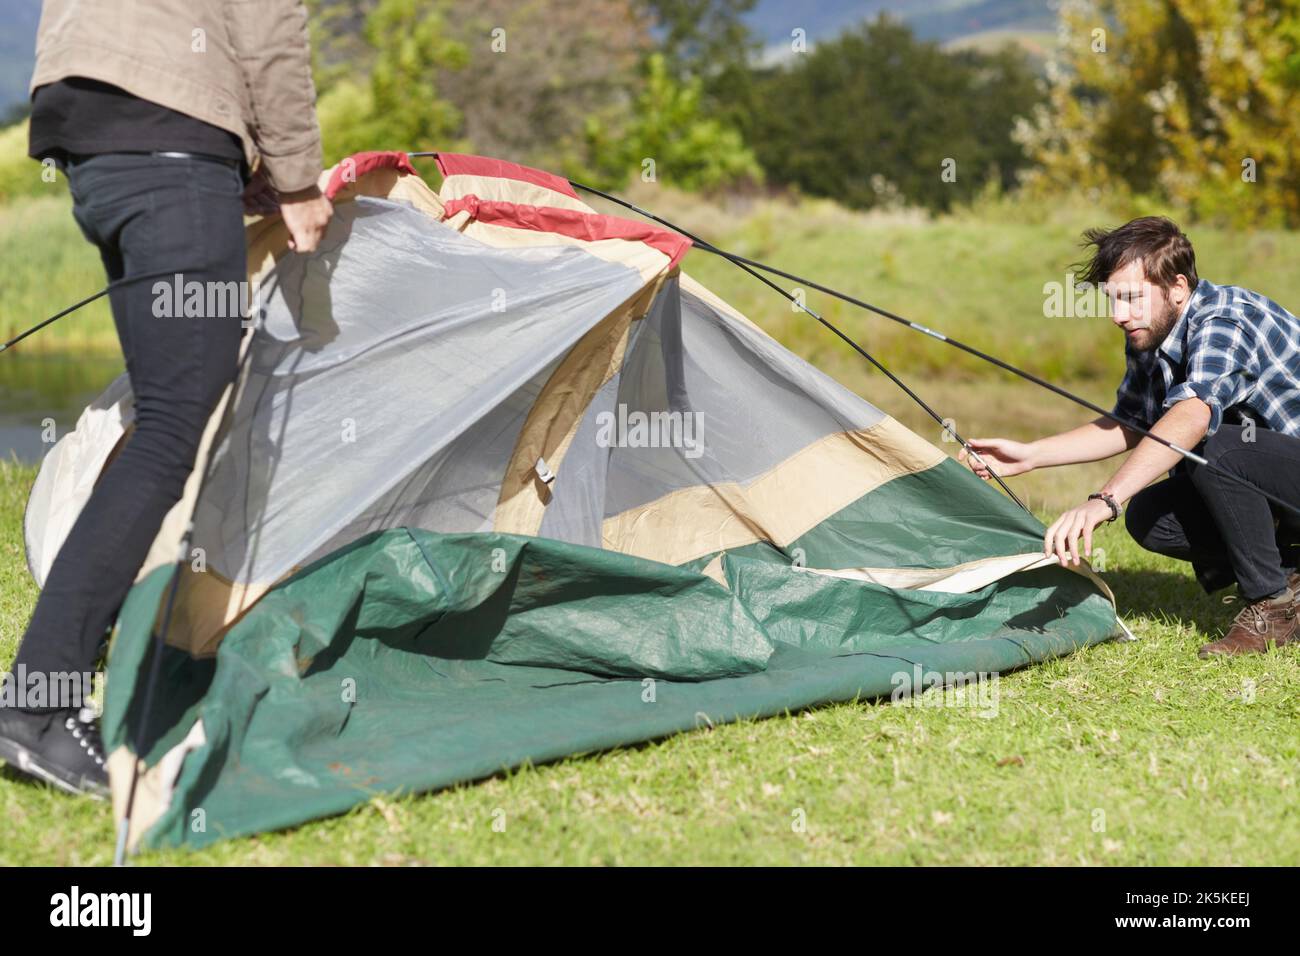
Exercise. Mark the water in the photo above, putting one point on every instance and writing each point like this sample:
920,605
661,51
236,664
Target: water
37,389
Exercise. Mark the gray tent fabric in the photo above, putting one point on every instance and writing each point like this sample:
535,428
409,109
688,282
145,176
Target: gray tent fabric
406,356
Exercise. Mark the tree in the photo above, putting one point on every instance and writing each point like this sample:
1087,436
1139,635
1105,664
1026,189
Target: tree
666,138
702,37
1195,102
876,117
404,44
539,69
575,87
709,41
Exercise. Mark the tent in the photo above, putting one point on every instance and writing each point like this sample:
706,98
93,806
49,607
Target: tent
499,483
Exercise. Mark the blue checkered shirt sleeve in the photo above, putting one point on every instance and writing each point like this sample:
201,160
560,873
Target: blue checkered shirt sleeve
1222,368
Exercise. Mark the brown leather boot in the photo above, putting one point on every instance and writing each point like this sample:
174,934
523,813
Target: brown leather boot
1270,622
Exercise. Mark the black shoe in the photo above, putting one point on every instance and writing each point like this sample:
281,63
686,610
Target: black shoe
61,747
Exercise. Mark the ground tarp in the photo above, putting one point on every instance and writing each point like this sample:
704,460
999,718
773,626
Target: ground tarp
413,660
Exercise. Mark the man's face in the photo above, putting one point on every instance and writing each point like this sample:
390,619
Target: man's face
1143,310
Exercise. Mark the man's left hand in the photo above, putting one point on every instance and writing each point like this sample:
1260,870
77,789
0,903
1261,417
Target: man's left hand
1063,536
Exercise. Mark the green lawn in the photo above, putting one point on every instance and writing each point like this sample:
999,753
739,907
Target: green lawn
48,266
977,275
1122,754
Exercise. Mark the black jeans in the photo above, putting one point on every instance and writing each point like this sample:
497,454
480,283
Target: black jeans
145,213
1228,532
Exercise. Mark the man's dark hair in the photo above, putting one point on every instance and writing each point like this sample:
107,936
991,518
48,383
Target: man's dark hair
1165,252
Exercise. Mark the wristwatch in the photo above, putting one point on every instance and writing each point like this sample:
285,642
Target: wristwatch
1115,509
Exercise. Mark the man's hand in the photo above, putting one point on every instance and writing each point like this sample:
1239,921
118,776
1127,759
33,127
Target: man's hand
1185,425
1063,536
260,197
1008,457
306,214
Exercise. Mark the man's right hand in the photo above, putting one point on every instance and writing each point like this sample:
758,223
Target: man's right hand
1007,457
306,213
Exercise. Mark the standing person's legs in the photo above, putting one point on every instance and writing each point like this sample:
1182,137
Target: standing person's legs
146,214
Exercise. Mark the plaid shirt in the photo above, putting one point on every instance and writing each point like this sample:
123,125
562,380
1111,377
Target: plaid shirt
1234,349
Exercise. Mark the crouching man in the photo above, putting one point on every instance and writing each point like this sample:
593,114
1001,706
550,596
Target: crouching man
1213,369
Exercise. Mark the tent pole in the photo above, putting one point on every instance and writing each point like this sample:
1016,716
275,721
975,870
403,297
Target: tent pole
944,424
739,260
54,318
115,284
748,267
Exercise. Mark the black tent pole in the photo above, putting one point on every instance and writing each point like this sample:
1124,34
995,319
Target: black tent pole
54,318
944,424
742,261
115,284
748,267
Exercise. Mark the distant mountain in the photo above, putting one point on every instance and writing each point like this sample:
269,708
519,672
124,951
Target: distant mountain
942,20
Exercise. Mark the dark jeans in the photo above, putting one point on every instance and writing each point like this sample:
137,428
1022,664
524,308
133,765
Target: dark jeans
144,213
1228,532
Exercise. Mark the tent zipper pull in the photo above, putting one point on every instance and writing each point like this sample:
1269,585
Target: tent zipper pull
544,472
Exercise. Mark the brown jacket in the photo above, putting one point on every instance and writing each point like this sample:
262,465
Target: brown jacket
242,65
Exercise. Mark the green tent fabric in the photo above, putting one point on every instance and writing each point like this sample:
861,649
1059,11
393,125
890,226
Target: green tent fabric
414,660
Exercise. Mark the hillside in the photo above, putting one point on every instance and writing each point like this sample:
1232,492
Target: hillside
942,20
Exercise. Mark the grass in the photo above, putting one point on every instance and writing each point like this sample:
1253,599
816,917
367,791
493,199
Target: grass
48,266
1135,754
1121,754
977,275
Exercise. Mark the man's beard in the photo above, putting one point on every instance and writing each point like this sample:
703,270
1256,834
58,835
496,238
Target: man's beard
1158,330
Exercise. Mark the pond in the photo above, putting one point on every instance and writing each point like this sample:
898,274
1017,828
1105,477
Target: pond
42,395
